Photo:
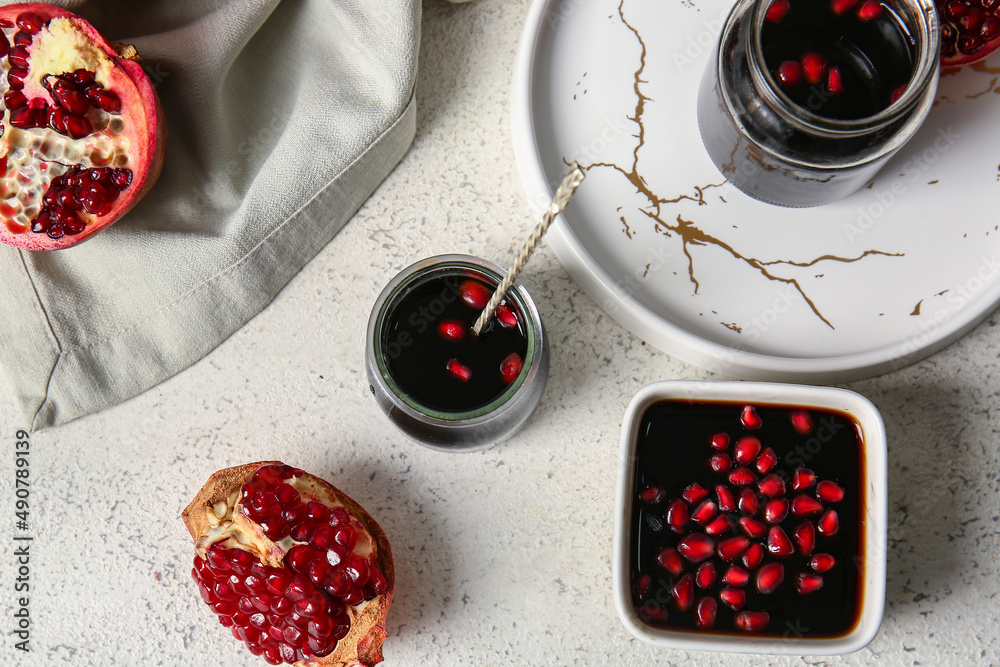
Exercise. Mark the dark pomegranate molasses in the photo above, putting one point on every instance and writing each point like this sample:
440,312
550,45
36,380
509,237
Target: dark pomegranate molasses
432,354
747,519
840,59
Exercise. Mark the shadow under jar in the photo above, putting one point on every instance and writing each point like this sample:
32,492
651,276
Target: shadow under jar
440,384
805,100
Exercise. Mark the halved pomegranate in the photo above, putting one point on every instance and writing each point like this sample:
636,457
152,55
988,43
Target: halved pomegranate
82,129
295,568
970,30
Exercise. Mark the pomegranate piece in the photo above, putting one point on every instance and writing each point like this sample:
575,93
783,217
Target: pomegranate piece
704,512
801,420
677,514
970,30
506,316
828,524
751,420
752,621
753,556
746,450
748,502
778,543
474,294
772,486
683,591
452,330
789,74
805,537
777,11
896,93
730,549
718,526
806,583
652,494
742,476
752,527
822,562
834,81
736,576
670,560
720,462
869,10
814,67
806,506
511,367
766,461
829,492
719,441
458,370
842,6
321,601
83,137
705,576
727,502
704,612
694,493
776,510
696,547
734,598
802,478
770,577
642,586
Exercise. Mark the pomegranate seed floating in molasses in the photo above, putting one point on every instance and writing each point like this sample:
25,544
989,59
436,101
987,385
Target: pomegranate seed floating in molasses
751,549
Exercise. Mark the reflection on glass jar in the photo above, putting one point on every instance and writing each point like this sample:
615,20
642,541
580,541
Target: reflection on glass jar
806,99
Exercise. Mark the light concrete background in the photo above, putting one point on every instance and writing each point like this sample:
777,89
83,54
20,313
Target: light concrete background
503,557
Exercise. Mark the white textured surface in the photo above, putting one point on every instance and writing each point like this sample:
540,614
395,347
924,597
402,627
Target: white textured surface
503,557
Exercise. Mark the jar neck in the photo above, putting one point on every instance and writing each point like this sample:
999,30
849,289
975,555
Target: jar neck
919,18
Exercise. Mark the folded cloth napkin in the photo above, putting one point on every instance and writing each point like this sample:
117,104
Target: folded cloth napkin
282,119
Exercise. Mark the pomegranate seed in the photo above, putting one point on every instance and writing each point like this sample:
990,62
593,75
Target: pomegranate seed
822,562
776,510
772,486
718,526
736,576
730,548
752,527
506,317
30,22
746,450
694,493
642,586
727,503
719,441
652,495
766,461
474,294
720,462
317,511
78,126
749,504
814,66
108,101
753,556
777,11
670,560
805,506
696,547
750,418
870,10
897,92
829,492
778,543
752,621
704,612
734,598
510,367
704,512
742,476
453,330
789,74
458,370
806,583
705,576
299,557
803,478
834,86
677,514
683,591
801,420
654,613
841,6
828,524
770,577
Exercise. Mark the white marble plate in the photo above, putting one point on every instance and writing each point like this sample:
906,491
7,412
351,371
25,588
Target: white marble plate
872,283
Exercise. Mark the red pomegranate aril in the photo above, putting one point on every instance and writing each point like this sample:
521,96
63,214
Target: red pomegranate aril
752,621
78,127
736,576
299,557
458,370
453,330
474,294
834,82
806,506
751,420
683,591
719,441
22,38
829,492
704,512
720,462
778,543
16,77
642,586
801,420
742,476
734,598
822,562
828,524
806,583
694,493
652,495
748,502
670,560
718,526
752,527
772,486
4,44
770,577
803,478
511,367
677,514
730,549
896,93
777,11
870,10
696,547
753,556
814,66
30,22
776,510
727,501
108,101
766,461
705,576
506,316
705,612
746,450
841,6
789,74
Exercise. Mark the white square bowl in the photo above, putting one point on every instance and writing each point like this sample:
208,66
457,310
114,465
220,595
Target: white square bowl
873,503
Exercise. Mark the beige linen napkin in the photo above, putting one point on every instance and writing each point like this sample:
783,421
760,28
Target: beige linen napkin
283,117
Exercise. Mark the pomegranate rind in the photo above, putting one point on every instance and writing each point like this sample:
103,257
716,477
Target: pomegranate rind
363,643
146,128
952,32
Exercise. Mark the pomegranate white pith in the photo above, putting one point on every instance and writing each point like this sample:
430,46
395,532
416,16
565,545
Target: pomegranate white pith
295,568
82,130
